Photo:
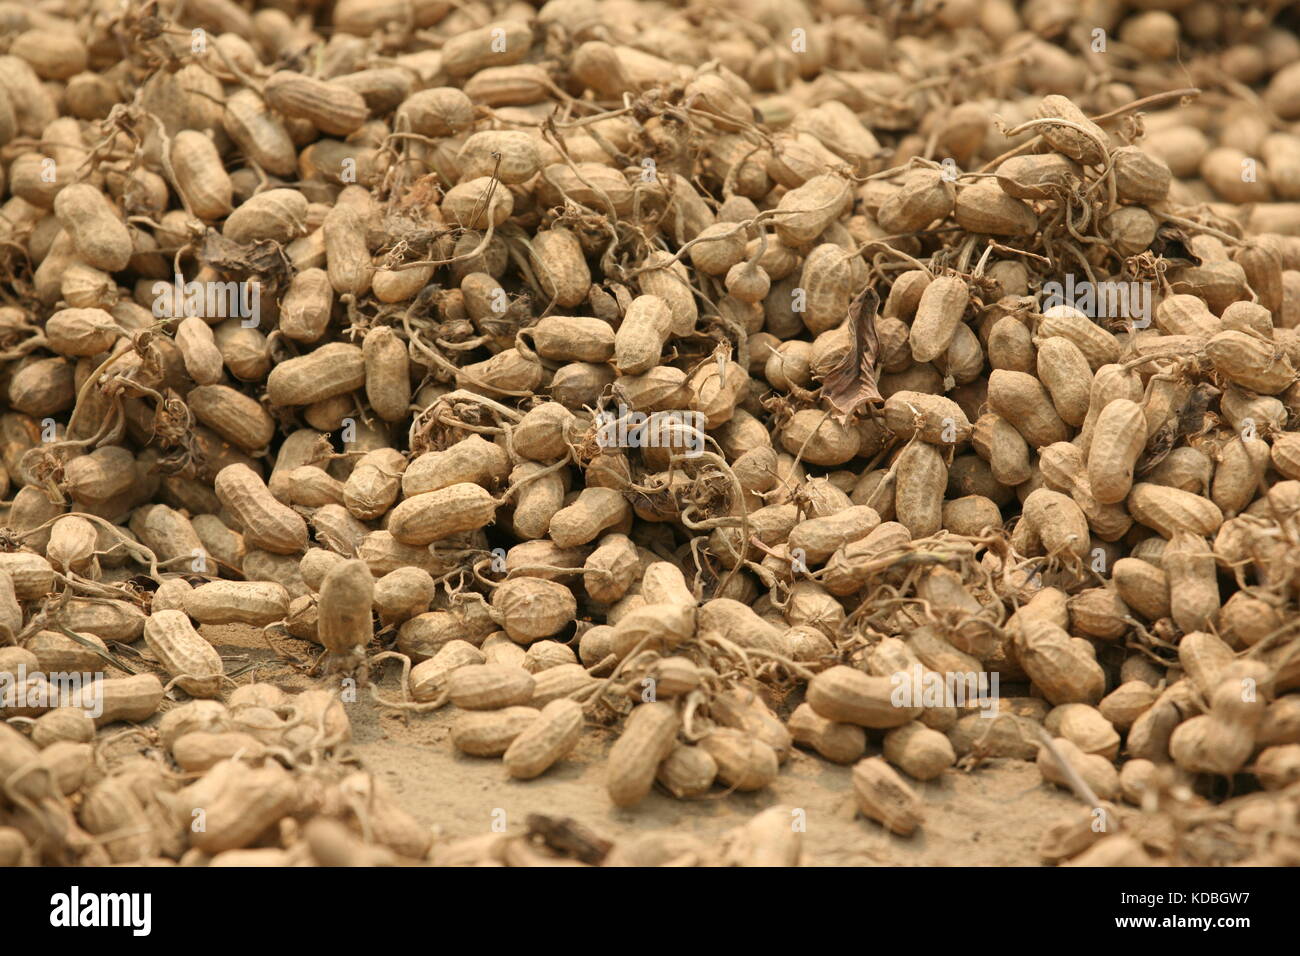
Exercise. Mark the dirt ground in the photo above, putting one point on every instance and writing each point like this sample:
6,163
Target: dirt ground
991,817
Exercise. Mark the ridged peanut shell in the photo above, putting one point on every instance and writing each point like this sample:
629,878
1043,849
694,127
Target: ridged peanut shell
847,695
432,516
647,739
882,795
184,653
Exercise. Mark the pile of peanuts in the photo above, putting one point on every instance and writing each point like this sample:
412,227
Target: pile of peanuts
260,780
683,373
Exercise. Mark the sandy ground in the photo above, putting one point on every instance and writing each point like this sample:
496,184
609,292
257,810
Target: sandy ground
991,817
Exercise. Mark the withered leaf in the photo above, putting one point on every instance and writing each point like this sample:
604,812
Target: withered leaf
568,837
263,258
1158,447
1171,243
1191,417
852,383
1190,421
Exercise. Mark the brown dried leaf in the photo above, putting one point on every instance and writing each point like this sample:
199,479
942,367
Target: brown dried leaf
852,383
1190,422
1171,243
568,837
1191,417
1158,447
264,258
